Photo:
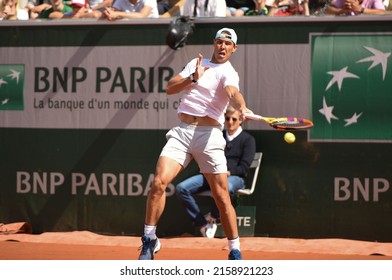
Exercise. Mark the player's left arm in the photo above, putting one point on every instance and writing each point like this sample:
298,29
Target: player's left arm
177,84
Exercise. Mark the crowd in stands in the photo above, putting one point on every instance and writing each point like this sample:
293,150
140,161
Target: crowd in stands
124,9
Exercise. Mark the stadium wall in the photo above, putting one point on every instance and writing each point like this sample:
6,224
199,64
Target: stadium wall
83,117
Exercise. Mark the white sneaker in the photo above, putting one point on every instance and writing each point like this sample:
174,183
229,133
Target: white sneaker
209,230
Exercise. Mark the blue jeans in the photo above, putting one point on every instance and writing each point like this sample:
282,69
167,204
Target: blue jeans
196,184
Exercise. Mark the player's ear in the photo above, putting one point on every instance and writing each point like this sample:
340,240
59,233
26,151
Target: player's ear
234,49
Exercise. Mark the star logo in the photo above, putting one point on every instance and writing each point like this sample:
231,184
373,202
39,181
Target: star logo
339,76
378,58
327,111
4,101
2,82
351,61
353,119
14,75
11,87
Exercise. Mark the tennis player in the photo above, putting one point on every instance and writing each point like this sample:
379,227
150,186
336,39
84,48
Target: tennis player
208,86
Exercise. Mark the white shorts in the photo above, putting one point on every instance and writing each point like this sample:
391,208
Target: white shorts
205,144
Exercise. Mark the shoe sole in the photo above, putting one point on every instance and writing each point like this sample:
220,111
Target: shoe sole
158,247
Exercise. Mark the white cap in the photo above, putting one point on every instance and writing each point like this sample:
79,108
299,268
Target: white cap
232,36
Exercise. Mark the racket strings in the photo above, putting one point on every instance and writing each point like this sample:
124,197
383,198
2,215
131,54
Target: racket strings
292,123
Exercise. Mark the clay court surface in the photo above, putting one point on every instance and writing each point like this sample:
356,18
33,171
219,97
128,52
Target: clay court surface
85,245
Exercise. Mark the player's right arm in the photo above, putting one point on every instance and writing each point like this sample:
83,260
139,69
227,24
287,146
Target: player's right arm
237,99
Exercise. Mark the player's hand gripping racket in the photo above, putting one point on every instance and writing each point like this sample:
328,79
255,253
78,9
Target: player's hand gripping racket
283,123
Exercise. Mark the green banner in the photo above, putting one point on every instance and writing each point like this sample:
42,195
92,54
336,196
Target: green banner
351,88
11,87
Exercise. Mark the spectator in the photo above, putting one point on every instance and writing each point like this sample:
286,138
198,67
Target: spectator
163,6
356,7
132,9
35,7
54,11
287,8
205,8
238,8
317,7
387,5
239,151
9,10
175,9
80,9
100,5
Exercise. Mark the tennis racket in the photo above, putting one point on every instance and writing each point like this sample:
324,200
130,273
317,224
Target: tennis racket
283,123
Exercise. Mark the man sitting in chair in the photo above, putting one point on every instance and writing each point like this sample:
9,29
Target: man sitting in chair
240,150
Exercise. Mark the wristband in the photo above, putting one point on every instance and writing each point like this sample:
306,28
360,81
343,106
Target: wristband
362,10
192,77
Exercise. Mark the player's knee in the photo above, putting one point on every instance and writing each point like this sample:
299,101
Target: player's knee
159,186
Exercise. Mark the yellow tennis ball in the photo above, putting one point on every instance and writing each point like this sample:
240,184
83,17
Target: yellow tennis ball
289,137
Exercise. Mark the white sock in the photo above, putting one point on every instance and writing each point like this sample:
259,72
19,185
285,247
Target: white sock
149,231
234,243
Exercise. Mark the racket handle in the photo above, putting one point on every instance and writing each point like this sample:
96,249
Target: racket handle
253,117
